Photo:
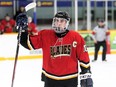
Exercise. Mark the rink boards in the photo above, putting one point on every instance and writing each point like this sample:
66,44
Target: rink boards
8,45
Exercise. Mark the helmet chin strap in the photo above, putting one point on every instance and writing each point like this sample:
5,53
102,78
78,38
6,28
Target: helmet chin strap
59,30
60,35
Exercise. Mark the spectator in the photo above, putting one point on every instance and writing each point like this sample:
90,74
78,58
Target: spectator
31,27
1,28
21,10
8,24
100,34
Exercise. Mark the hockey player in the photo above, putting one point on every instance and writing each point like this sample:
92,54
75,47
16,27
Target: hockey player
100,35
62,49
31,27
1,28
8,24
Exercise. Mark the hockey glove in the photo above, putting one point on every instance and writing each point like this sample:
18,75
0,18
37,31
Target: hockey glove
86,80
22,21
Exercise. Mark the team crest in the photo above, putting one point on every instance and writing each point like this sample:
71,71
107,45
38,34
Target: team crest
60,50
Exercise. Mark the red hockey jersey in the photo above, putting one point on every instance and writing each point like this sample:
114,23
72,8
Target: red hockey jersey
31,27
1,27
8,25
60,55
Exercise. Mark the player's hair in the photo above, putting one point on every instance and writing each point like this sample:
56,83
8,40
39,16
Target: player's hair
101,20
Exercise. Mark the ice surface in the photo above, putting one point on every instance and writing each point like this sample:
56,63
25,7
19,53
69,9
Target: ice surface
28,72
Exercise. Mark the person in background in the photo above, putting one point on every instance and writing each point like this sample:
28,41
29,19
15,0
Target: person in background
21,10
1,28
100,35
31,27
8,24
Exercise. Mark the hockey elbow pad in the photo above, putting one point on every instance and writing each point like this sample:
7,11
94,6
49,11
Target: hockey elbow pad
86,80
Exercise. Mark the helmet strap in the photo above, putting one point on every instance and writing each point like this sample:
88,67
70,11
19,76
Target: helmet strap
60,35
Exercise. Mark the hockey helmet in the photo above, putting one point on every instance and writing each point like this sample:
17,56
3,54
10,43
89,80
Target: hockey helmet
101,22
60,16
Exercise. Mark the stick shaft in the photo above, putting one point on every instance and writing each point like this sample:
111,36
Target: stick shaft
28,7
15,63
16,56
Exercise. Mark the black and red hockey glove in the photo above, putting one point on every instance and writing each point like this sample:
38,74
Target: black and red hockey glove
22,21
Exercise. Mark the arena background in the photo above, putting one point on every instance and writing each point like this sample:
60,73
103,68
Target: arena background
84,14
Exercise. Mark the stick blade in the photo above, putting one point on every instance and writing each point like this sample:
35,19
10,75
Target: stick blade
30,6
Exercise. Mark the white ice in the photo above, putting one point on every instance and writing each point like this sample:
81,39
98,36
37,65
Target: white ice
28,72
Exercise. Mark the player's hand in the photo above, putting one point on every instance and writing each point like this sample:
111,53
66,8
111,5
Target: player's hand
95,41
86,80
1,32
22,21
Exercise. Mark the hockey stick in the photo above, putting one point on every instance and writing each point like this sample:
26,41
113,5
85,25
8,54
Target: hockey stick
27,8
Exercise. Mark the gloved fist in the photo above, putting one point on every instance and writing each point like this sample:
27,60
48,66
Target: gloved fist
86,80
22,21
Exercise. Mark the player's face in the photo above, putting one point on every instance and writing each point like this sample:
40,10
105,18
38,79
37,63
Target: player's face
7,18
22,9
101,23
29,19
60,23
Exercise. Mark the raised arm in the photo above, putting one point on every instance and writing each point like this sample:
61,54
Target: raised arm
28,41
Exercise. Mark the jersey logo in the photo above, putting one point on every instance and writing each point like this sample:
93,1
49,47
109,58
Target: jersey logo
74,44
60,50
